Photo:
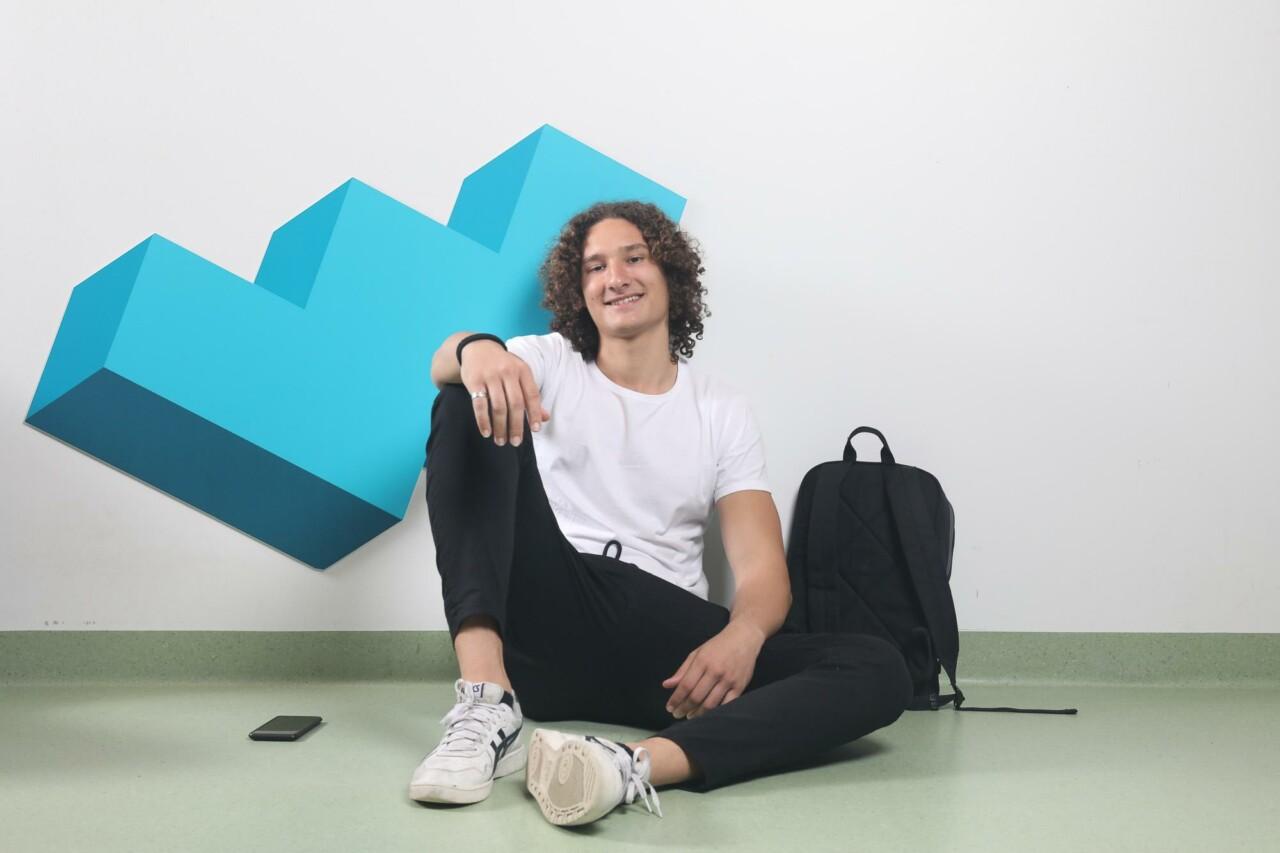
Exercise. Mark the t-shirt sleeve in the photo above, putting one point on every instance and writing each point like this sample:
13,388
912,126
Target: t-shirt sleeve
540,352
740,458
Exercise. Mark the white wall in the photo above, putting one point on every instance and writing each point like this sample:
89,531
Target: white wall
1036,244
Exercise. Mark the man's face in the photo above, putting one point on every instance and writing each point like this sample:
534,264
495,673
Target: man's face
616,265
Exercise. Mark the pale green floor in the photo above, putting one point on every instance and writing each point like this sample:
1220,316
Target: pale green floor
147,768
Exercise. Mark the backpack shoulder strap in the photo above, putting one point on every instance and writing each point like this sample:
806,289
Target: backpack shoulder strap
925,566
824,553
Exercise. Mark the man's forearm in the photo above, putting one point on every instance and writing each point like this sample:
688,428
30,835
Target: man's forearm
444,364
762,603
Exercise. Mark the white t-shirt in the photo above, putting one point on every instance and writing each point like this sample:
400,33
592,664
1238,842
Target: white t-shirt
644,469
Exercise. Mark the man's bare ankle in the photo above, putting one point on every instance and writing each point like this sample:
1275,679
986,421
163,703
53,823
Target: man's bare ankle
478,646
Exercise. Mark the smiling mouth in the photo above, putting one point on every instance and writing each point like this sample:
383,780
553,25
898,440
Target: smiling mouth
628,300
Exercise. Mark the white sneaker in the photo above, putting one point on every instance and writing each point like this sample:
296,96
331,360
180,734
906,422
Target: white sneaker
578,779
479,745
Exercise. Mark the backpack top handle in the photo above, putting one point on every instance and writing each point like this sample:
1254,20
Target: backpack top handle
851,455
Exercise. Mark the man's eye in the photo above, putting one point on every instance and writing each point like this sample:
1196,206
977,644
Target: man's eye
636,258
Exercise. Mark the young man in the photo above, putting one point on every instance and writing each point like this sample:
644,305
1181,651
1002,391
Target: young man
640,448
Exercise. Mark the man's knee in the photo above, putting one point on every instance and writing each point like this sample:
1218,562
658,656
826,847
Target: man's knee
898,686
452,400
451,411
453,406
884,667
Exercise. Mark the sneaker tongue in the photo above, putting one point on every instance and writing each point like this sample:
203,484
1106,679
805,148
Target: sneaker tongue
479,691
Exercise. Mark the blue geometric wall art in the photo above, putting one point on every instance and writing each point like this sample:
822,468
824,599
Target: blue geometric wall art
296,407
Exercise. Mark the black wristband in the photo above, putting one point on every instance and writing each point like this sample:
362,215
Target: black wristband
483,336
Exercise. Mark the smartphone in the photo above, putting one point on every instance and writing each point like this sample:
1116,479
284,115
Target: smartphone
284,728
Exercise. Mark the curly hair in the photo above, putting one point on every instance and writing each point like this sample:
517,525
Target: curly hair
675,251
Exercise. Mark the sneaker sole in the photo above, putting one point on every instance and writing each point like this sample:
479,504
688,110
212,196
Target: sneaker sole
512,762
564,779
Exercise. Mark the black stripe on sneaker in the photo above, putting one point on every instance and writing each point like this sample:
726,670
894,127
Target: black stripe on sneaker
608,744
503,744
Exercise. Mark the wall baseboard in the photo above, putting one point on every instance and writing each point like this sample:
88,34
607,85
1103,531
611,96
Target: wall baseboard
76,657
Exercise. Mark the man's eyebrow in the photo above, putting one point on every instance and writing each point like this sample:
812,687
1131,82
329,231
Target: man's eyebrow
598,255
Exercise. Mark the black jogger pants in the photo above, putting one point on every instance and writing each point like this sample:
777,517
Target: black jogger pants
590,637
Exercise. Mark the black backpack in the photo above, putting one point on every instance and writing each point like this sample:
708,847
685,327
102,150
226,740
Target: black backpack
870,553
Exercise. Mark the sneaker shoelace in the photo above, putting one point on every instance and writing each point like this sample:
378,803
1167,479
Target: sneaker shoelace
635,775
637,778
467,727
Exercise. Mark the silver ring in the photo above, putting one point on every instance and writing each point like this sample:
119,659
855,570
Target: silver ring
476,395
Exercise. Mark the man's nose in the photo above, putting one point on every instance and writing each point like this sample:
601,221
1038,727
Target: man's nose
614,277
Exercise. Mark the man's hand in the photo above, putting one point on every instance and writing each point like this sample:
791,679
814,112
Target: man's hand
715,672
511,392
